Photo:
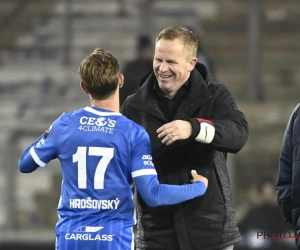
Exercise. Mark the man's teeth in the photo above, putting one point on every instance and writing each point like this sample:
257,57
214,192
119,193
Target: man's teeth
162,76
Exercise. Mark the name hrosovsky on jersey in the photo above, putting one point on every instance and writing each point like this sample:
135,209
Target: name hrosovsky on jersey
90,203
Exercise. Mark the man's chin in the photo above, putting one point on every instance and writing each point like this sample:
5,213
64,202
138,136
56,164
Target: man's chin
164,82
166,87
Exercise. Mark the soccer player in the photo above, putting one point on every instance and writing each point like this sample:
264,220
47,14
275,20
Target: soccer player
102,154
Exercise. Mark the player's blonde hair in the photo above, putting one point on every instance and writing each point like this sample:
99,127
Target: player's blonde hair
100,73
189,39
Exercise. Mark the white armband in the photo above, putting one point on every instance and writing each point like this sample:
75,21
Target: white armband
207,133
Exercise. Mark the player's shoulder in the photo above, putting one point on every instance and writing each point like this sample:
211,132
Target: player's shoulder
73,114
133,124
133,129
66,118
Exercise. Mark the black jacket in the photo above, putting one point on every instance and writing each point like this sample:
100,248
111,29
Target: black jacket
206,222
288,184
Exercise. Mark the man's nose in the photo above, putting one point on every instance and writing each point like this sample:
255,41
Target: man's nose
163,67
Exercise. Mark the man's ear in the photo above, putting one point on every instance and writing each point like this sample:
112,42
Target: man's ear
121,80
83,86
193,62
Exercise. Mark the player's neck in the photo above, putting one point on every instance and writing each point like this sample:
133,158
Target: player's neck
110,104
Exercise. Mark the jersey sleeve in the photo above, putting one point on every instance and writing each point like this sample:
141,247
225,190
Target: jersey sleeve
42,151
26,162
155,194
145,178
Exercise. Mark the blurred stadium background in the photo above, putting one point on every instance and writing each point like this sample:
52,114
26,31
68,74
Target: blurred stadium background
254,46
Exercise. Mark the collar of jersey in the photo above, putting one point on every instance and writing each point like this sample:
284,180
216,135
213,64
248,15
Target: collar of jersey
100,111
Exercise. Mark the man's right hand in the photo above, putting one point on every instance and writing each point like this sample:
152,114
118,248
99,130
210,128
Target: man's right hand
198,177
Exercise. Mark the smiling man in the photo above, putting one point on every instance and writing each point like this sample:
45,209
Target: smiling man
193,122
173,65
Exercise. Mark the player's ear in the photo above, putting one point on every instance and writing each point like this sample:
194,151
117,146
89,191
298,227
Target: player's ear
83,86
121,80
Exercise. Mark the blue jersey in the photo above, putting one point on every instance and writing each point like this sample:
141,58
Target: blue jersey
102,154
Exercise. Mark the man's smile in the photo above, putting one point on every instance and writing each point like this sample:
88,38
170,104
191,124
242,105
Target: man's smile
165,76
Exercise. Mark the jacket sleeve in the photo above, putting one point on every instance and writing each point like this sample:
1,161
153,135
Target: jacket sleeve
231,128
284,182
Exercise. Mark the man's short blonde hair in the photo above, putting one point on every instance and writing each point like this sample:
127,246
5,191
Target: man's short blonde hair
189,39
100,73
